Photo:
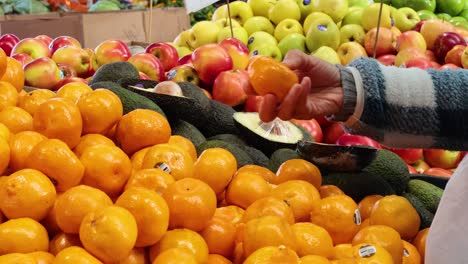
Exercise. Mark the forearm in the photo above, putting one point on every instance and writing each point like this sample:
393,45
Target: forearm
410,107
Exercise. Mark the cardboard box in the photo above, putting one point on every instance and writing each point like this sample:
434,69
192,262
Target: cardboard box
166,23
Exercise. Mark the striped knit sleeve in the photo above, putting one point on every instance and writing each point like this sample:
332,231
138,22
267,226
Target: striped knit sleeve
412,107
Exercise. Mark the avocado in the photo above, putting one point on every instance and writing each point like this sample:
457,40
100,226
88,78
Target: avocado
114,71
391,168
305,134
267,137
424,214
427,193
258,157
241,156
130,100
280,156
219,121
230,138
187,130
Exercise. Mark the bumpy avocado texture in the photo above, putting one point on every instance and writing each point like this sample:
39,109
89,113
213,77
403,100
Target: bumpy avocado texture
114,72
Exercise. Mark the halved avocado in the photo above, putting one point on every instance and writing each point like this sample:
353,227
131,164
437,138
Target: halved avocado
266,137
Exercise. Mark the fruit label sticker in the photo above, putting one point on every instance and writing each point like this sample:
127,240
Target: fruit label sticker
196,5
171,74
405,252
255,53
322,28
306,2
163,166
251,39
357,217
367,251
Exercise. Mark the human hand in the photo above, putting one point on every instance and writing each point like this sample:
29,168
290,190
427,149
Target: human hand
319,92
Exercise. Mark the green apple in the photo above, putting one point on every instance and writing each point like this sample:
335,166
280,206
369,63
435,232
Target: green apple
417,5
462,24
464,13
284,9
313,17
287,27
306,8
354,16
267,50
327,54
292,41
451,7
239,33
336,9
259,23
240,11
457,19
426,14
259,38
323,32
352,32
405,18
360,3
203,32
261,7
226,22
182,39
444,16
219,13
182,51
370,16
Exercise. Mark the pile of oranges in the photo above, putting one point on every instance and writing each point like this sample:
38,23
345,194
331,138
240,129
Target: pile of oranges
84,183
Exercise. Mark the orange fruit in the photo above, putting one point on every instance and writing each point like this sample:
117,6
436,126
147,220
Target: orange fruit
364,224
267,231
153,179
396,212
245,188
343,251
21,145
31,100
91,140
410,254
49,222
17,258
8,94
5,152
137,158
5,132
192,203
185,144
312,240
267,174
106,168
267,75
59,118
269,206
73,255
383,236
100,110
217,259
300,195
273,255
136,256
215,166
339,216
14,74
109,233
42,257
171,159
142,128
62,241
3,62
22,235
16,119
184,239
329,190
420,242
176,256
150,211
27,193
75,203
298,169
371,254
366,204
56,160
313,259
73,90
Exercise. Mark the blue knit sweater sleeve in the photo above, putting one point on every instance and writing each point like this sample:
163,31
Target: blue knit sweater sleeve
403,107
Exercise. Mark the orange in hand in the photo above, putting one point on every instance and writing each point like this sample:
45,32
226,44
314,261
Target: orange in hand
266,75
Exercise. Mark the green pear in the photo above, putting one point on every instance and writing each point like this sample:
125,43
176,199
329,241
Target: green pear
327,54
323,32
259,23
336,9
284,9
292,41
261,7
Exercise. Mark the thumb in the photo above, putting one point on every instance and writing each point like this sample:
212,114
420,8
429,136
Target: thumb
293,59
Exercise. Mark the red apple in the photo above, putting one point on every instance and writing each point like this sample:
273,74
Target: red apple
410,156
62,41
66,70
454,55
419,25
206,93
210,60
421,63
323,121
252,103
312,126
76,57
183,73
111,51
33,47
229,87
384,43
430,55
464,58
238,52
44,38
187,59
23,58
352,140
440,158
332,133
439,172
435,65
449,66
165,52
407,54
411,39
432,28
149,65
411,169
7,42
445,42
69,80
387,60
420,166
42,73
143,76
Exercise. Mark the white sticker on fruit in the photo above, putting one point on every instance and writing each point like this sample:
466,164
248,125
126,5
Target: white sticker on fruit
367,251
163,166
357,217
405,252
